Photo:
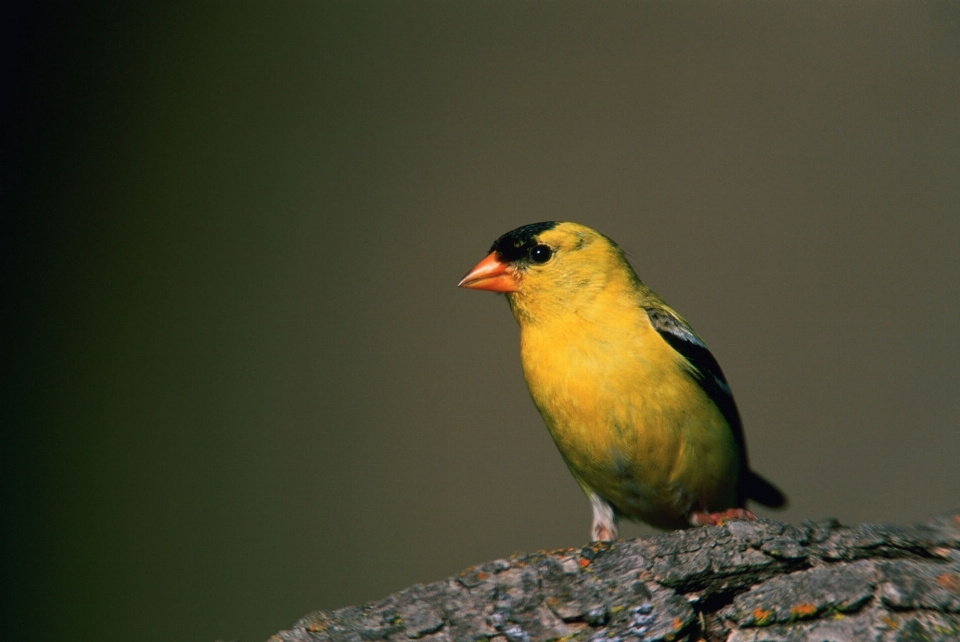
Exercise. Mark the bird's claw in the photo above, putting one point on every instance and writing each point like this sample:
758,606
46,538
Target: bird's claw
718,519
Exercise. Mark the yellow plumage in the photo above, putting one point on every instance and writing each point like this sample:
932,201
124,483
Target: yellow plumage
635,403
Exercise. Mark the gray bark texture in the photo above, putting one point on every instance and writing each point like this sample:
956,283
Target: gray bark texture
742,581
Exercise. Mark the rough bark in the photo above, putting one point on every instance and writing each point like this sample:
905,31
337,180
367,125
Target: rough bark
762,580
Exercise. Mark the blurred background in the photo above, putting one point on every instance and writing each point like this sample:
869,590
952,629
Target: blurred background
239,382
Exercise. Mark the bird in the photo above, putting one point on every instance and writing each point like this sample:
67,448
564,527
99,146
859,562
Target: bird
636,404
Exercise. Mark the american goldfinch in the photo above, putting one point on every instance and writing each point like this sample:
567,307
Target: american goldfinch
636,404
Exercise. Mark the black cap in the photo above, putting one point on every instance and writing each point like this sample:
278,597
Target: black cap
516,244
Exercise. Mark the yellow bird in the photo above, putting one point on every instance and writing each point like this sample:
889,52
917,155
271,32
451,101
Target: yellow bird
637,405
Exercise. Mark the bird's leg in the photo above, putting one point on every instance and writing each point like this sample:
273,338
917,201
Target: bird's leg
604,521
700,518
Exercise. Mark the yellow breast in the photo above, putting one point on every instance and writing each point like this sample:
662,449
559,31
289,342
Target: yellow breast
627,417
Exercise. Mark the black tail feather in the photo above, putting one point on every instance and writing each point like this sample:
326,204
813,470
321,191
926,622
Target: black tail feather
763,492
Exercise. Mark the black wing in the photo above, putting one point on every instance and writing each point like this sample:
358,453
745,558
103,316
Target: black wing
707,373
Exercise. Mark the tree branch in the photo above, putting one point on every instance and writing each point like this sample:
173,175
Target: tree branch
743,581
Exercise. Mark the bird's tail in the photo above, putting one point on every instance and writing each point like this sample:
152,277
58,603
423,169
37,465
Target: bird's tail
763,492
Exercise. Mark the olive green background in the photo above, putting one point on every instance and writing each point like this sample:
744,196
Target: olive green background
239,381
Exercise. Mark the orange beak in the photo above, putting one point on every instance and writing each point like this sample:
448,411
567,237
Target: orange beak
490,274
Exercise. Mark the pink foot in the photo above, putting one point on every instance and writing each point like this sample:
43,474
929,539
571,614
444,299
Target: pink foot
717,519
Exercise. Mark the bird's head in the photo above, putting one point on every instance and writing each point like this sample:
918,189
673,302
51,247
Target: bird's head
544,268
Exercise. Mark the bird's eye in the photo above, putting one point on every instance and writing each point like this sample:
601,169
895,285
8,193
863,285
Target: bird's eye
540,254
